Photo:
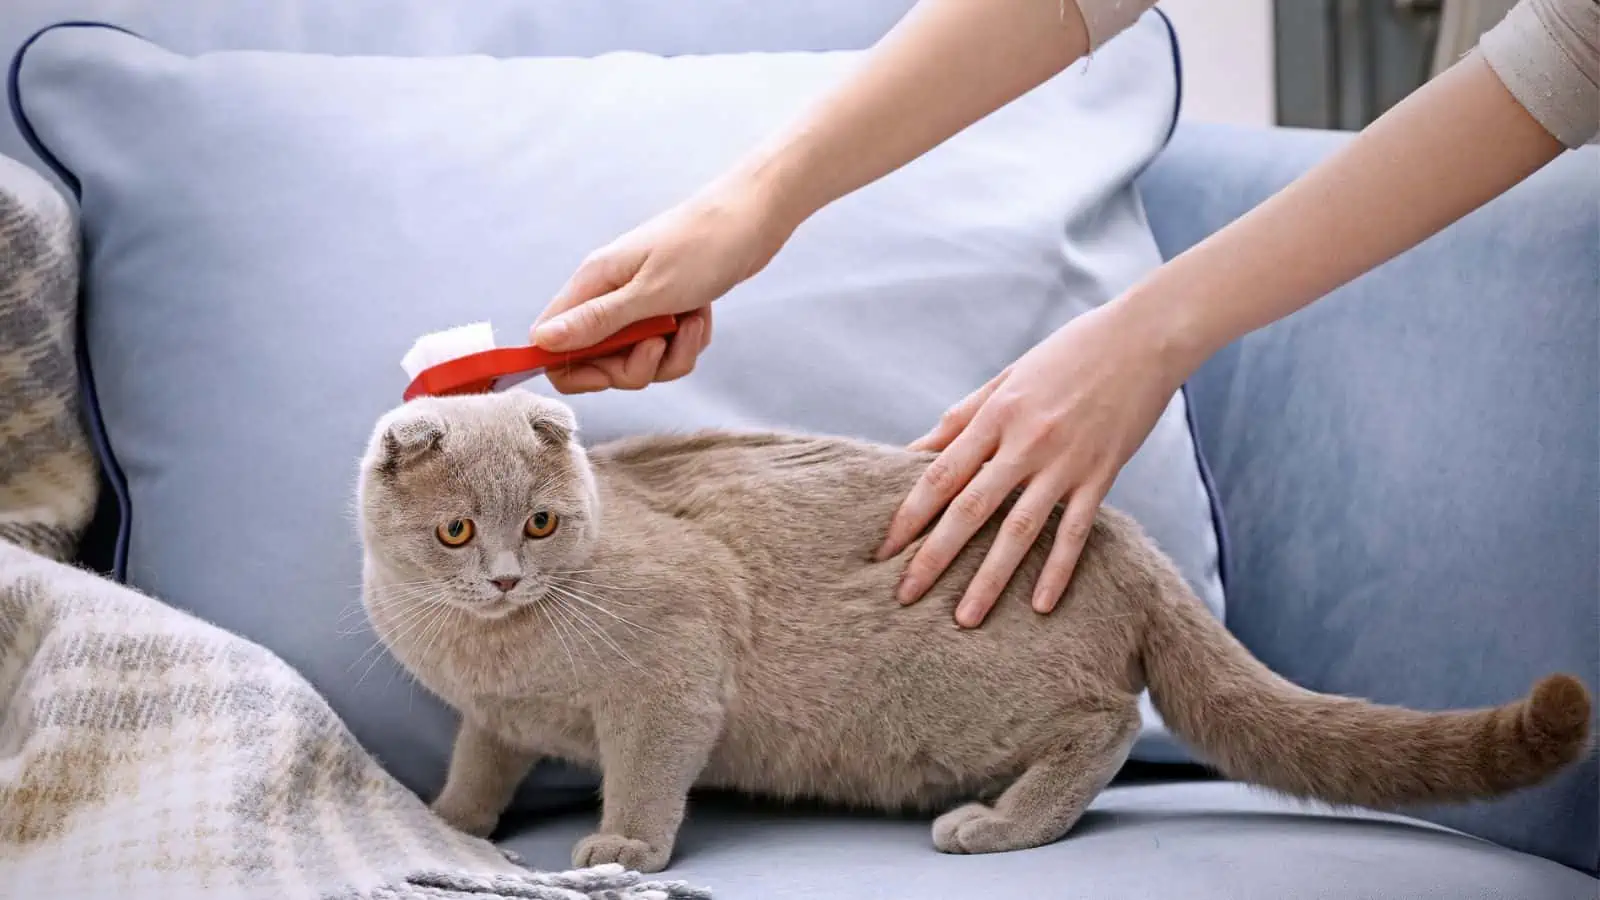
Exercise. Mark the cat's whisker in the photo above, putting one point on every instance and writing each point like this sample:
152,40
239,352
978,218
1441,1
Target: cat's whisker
377,644
401,593
419,624
581,632
550,617
592,604
402,604
375,650
605,638
590,595
405,625
634,602
567,575
393,584
351,615
437,628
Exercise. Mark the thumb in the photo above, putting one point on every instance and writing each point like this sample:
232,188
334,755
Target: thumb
589,322
603,272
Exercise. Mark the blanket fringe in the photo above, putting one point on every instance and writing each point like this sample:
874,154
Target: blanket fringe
605,882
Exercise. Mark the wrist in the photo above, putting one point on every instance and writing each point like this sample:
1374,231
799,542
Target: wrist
782,181
1176,328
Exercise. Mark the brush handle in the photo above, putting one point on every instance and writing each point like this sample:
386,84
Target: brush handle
476,373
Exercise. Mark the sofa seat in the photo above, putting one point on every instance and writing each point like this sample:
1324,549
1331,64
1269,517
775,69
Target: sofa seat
1191,840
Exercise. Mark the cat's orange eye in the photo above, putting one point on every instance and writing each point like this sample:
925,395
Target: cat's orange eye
455,532
540,525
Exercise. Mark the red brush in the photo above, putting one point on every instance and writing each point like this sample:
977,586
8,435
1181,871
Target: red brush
464,360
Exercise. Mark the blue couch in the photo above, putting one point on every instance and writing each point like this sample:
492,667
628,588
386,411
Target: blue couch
1407,472
1408,475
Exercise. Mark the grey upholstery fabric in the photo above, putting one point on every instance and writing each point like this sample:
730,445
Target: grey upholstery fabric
1181,841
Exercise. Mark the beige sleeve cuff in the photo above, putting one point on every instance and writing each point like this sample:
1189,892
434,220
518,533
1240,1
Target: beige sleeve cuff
1105,19
1547,53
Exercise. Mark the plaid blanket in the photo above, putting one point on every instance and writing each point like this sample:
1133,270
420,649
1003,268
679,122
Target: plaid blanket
147,754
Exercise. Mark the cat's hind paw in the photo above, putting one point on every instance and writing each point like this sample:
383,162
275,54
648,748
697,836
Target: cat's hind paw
597,849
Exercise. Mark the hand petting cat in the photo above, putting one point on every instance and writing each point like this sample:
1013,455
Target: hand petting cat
1059,423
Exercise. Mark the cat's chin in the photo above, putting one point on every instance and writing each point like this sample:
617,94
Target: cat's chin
494,610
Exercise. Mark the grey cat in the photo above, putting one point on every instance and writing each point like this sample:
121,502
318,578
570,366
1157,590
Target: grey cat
705,610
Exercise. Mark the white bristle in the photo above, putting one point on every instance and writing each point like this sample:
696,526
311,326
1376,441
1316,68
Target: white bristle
443,346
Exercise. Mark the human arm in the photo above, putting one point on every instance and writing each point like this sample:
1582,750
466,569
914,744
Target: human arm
1065,418
945,65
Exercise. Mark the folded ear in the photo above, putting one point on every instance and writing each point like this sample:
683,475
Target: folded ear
550,419
405,437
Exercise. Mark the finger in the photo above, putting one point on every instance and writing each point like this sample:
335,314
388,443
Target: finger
1071,534
958,417
1018,531
588,323
957,524
613,368
640,365
940,481
705,336
682,351
578,378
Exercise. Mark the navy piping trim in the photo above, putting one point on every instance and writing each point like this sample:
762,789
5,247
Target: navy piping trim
1219,522
109,466
1177,75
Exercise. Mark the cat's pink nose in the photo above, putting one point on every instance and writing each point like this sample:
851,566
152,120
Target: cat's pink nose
505,584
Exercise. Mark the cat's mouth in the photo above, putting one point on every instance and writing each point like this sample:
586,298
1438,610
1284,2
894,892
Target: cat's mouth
502,604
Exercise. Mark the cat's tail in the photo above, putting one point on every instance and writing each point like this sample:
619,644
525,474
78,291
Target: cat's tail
1260,728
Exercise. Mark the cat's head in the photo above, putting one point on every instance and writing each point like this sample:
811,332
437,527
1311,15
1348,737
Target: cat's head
477,500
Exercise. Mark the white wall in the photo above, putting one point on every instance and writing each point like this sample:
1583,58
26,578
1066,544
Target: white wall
1227,59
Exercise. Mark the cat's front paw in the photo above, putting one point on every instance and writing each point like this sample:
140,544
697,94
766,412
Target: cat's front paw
474,820
977,828
597,849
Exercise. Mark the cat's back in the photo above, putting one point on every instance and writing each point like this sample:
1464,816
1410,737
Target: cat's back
771,489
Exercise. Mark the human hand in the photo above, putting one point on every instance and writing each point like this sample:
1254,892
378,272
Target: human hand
1061,421
678,262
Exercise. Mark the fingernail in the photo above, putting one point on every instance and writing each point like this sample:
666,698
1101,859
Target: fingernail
909,590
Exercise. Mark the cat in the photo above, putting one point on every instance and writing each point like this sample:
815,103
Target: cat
705,610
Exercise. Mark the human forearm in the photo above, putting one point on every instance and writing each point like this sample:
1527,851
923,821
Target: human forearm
947,64
1451,146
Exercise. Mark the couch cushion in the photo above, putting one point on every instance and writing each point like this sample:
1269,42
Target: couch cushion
429,28
268,232
1408,467
1195,841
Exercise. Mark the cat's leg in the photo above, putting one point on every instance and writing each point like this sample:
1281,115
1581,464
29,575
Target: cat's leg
1046,801
484,773
651,756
